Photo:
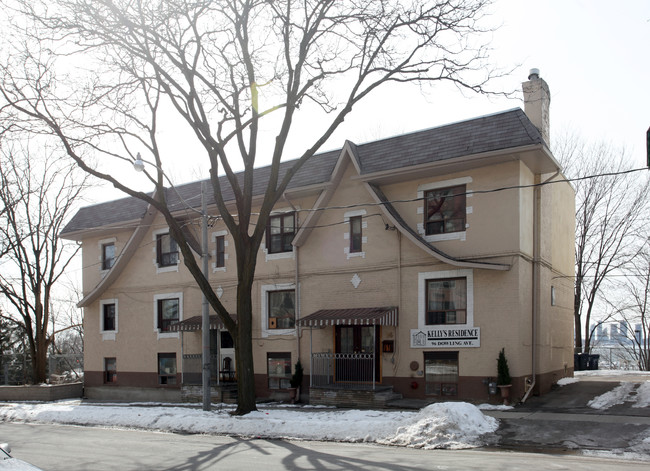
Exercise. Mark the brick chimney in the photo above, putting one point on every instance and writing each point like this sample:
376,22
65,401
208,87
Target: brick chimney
537,101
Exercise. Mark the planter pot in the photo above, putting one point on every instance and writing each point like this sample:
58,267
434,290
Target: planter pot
505,393
293,394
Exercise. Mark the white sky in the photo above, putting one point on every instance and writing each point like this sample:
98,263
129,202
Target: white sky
592,53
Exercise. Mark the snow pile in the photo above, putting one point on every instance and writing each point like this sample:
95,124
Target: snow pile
443,425
643,398
565,381
495,407
612,372
618,395
452,425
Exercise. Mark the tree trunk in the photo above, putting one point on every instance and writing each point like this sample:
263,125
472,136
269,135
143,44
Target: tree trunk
39,360
39,355
577,320
244,357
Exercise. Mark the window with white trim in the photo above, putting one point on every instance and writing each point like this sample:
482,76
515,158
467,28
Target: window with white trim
168,313
355,234
108,318
219,252
168,310
108,255
355,224
446,301
444,210
220,258
446,298
280,231
278,309
166,250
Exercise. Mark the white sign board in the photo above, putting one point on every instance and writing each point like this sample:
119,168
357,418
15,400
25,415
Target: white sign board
446,336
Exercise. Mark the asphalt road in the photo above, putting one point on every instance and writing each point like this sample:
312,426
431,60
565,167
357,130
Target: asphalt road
59,448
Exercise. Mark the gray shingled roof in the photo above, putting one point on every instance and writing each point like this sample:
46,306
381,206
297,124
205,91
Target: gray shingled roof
508,129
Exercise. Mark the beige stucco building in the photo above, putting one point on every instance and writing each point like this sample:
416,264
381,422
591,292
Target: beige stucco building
397,267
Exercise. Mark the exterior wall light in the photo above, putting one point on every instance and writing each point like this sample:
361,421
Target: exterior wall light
138,164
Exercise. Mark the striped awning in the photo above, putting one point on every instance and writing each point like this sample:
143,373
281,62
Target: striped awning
352,316
195,323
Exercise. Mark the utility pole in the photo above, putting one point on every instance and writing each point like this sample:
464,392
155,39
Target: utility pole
205,314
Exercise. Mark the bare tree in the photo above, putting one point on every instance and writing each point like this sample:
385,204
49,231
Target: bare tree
633,310
610,217
38,196
229,70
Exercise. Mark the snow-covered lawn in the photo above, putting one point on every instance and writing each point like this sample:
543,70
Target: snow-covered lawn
442,425
453,425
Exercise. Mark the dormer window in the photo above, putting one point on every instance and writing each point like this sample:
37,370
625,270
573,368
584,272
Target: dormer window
166,250
445,210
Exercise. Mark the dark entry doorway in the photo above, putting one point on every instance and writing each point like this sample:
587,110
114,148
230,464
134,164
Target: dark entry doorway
357,348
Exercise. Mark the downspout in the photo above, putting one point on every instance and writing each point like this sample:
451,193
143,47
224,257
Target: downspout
296,252
537,203
399,300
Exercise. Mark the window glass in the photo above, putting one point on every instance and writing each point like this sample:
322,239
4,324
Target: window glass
280,233
226,340
445,210
109,317
281,309
168,310
355,234
441,373
166,368
279,370
446,301
108,256
221,251
110,370
166,250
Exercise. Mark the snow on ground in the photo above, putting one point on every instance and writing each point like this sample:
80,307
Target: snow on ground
643,396
450,425
578,374
625,392
442,425
565,381
618,395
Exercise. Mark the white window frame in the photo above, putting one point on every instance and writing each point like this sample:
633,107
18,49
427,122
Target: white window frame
346,235
158,297
216,234
422,189
266,332
101,244
170,268
282,255
108,334
423,277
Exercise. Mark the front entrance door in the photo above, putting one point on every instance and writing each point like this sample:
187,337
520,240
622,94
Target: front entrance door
355,345
223,364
